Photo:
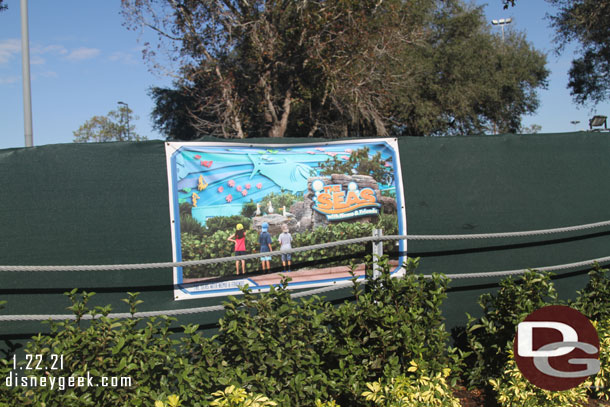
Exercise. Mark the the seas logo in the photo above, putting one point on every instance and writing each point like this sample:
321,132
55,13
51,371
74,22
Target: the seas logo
338,204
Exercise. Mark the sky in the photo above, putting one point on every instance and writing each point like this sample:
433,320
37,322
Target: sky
84,61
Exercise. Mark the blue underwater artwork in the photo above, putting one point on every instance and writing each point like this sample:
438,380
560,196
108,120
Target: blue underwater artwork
326,185
217,181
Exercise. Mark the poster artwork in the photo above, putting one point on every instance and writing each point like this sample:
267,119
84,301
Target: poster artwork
226,197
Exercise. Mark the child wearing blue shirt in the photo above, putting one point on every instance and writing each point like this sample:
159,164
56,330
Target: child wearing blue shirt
265,241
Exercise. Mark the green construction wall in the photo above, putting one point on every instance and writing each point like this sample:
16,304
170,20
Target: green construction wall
107,203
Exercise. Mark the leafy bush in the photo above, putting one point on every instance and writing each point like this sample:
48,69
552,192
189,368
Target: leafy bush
226,223
159,367
512,389
594,300
215,246
248,209
190,225
489,336
276,345
393,321
237,397
172,401
186,208
331,233
418,389
601,381
388,223
298,351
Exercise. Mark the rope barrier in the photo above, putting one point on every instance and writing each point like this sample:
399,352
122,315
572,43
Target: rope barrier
337,286
147,266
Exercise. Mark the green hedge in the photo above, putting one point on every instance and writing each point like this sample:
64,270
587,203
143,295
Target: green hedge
293,351
388,342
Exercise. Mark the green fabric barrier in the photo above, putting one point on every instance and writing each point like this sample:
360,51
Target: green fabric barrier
107,203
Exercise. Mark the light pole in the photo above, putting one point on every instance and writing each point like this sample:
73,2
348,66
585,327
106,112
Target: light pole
502,22
25,68
126,113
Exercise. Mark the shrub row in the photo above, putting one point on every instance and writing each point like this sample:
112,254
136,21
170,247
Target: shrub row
387,347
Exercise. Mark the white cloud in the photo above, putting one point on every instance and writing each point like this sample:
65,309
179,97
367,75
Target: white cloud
46,74
8,48
8,80
37,60
123,57
82,53
53,49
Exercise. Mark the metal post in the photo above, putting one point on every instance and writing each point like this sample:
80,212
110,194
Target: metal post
25,62
377,252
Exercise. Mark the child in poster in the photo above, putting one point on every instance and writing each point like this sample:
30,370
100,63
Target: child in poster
239,238
265,241
285,240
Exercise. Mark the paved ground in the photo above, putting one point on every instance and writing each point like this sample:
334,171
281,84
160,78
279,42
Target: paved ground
301,275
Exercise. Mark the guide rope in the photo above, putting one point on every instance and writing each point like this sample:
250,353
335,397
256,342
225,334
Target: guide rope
366,239
322,290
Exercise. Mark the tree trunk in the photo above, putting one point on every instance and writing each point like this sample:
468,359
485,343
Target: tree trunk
278,129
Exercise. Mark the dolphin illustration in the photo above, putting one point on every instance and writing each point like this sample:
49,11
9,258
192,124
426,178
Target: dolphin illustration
288,175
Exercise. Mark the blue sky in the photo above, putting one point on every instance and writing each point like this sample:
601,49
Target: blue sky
83,61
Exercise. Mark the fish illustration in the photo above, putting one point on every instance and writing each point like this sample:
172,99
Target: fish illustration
194,199
202,184
286,174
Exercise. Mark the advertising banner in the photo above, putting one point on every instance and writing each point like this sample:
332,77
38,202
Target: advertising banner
230,199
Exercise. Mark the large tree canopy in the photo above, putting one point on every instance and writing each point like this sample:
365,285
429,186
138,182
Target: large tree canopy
336,67
586,22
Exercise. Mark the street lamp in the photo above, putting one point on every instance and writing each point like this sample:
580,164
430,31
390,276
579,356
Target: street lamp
25,67
126,112
598,121
502,22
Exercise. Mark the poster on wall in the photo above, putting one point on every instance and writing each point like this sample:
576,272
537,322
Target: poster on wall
228,199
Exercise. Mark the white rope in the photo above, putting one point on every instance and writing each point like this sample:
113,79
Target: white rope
146,266
338,286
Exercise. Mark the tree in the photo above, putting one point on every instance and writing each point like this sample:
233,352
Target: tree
252,64
337,68
172,113
113,127
586,22
533,129
468,80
